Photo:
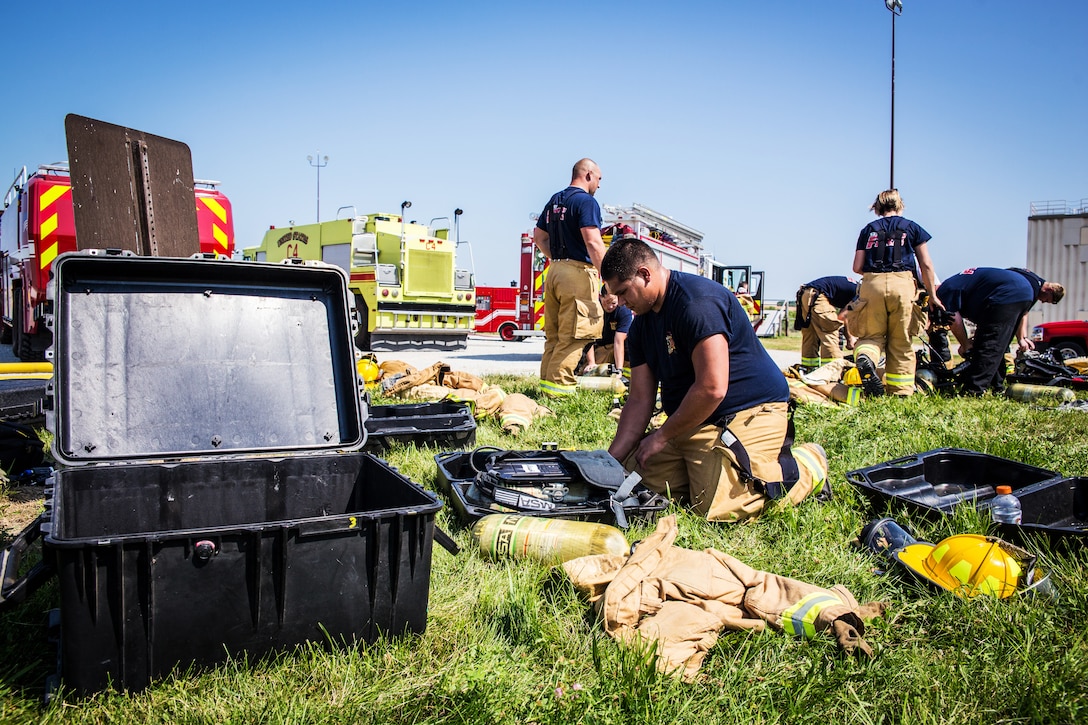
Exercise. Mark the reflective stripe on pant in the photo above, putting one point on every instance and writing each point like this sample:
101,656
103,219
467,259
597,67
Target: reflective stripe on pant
820,340
699,469
883,326
572,318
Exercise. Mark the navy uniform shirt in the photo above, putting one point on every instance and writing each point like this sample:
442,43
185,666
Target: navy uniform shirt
970,292
839,291
618,320
563,218
694,309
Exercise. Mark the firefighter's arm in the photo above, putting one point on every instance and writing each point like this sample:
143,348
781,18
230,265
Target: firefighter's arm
929,277
618,351
542,242
636,412
594,245
859,261
710,358
1024,342
959,331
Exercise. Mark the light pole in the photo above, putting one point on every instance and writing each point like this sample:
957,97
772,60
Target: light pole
896,8
322,162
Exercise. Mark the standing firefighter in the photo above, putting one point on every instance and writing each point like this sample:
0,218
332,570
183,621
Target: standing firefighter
997,301
884,317
726,445
818,306
568,233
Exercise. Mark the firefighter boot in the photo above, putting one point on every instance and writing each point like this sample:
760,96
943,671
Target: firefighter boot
870,378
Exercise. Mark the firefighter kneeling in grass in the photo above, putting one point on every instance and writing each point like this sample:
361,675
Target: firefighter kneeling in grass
726,445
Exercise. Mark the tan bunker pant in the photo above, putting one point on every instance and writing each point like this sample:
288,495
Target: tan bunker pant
698,468
820,339
885,325
572,318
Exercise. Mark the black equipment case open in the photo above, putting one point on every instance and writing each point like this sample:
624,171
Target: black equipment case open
212,497
938,481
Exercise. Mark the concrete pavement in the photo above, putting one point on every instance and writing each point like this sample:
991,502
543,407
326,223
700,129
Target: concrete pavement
488,355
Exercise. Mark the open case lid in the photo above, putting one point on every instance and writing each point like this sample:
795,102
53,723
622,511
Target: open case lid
164,358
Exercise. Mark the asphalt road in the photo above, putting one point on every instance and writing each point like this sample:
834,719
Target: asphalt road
487,355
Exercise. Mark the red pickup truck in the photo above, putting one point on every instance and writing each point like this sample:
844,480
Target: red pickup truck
1070,337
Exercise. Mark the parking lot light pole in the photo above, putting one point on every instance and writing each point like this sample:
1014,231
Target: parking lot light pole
320,164
896,8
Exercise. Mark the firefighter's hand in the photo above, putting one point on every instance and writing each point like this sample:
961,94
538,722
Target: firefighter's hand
649,447
935,303
1025,344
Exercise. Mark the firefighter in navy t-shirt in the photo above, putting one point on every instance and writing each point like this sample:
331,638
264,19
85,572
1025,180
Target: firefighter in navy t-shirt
612,345
568,233
997,301
725,447
818,306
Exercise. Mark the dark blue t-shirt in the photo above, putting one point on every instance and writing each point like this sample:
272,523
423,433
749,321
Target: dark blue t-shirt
889,244
839,291
618,320
970,292
563,218
696,308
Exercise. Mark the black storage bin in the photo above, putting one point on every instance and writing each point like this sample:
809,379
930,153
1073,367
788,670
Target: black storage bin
941,479
1057,507
446,423
212,497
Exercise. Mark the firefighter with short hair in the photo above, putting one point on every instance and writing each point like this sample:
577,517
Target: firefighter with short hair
884,316
568,233
997,301
726,446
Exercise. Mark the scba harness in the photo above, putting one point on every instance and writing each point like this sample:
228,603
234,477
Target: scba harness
553,482
887,249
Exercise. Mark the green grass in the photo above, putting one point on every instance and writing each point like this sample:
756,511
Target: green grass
512,642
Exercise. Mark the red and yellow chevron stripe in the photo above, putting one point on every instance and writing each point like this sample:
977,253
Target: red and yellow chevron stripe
219,230
47,205
538,298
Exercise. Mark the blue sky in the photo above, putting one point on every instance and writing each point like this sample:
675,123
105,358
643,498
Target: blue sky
763,124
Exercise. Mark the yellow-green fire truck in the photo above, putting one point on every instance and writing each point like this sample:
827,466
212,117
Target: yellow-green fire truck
408,290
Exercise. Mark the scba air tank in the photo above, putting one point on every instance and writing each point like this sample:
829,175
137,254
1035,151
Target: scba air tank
1027,393
551,541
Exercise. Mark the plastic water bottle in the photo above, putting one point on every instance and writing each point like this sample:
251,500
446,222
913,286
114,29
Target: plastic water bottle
551,541
1005,508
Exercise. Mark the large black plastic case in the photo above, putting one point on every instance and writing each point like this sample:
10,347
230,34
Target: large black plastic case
213,498
939,480
444,422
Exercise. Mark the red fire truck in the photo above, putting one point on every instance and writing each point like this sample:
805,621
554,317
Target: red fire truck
37,224
518,312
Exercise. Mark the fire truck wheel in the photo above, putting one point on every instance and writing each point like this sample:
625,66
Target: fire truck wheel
362,336
506,332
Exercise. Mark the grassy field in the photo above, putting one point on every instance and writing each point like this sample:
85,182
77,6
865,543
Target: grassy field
512,642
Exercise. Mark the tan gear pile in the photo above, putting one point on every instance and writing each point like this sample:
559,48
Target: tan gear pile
515,411
825,385
680,600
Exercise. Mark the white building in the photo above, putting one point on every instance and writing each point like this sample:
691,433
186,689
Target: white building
1058,252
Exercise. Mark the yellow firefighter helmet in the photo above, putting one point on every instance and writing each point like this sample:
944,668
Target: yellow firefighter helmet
969,565
368,369
852,377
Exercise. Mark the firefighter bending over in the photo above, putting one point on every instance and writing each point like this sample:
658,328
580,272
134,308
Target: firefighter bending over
725,447
997,301
568,233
